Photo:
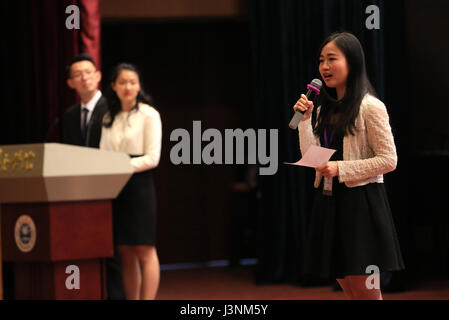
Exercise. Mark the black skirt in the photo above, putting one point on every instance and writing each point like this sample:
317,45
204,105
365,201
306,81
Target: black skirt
350,231
134,211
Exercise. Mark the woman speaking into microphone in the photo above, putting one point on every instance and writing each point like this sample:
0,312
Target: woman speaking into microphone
351,230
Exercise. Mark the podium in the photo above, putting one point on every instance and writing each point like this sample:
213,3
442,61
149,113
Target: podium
56,217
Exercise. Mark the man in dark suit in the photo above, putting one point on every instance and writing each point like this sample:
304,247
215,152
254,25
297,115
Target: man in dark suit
81,126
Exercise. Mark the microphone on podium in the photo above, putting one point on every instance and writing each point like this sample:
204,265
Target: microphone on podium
314,88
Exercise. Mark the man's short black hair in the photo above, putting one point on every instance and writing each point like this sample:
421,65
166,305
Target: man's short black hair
78,58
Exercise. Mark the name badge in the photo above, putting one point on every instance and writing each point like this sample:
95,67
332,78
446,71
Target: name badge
327,187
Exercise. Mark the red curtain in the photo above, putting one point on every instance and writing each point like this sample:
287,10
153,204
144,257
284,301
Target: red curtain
91,29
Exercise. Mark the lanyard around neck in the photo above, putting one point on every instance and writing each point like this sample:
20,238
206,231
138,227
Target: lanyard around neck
328,140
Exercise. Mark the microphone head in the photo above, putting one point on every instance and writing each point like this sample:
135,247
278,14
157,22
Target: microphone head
315,85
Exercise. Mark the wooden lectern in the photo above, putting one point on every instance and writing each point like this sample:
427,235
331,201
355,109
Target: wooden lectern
56,217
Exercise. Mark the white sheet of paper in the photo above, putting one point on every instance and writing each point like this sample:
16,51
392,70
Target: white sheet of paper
315,157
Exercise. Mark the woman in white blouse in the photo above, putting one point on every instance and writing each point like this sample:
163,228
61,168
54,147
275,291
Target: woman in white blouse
134,127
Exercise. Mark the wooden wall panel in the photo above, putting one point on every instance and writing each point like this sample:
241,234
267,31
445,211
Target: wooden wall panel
161,9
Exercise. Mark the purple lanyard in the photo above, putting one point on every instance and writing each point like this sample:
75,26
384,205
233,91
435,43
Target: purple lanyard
327,143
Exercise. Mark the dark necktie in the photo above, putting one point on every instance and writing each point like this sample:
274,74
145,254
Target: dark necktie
84,122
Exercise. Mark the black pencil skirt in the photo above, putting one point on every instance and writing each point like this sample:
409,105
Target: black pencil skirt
134,211
350,231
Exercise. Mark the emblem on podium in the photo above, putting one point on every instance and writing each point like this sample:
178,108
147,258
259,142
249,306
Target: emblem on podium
25,233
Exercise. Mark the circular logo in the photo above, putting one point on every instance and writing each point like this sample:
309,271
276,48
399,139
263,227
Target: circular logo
25,233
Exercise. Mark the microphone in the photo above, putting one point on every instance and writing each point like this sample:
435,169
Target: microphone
314,88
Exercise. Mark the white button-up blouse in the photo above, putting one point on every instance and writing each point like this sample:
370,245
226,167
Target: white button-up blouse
137,132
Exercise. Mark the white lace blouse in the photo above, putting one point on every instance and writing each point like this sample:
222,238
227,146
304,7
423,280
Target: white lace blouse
367,155
138,132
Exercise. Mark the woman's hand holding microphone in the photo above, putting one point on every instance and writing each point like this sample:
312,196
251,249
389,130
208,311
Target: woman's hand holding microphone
304,104
330,169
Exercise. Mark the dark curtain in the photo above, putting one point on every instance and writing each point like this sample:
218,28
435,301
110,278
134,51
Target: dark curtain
286,36
36,47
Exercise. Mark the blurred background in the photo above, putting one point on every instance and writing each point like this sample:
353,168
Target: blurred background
243,64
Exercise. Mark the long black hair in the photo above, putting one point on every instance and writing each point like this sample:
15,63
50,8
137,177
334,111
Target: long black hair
357,85
114,105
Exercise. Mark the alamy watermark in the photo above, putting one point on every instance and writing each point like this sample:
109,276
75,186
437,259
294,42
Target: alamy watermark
73,280
373,281
373,20
73,20
212,153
